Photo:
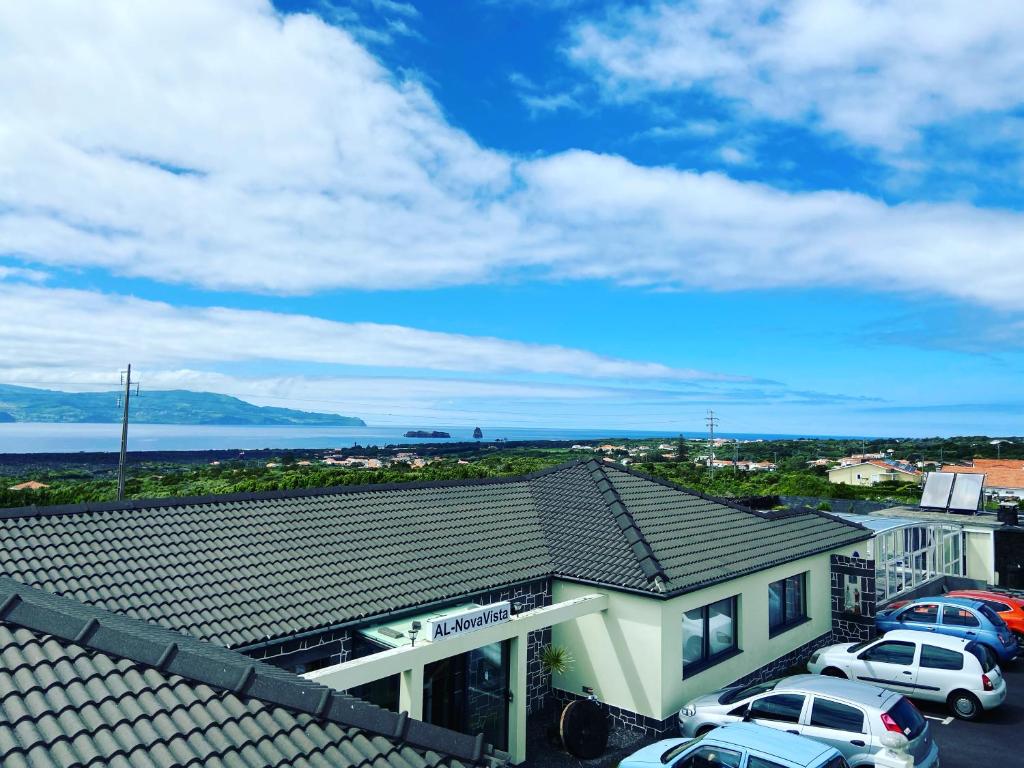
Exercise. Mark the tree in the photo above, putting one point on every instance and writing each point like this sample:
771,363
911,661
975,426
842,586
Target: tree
477,433
682,453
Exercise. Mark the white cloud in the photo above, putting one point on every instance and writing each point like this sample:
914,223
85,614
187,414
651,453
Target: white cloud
229,147
734,156
876,71
661,227
70,326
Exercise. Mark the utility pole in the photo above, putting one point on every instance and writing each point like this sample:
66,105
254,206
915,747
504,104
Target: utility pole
711,420
126,379
736,457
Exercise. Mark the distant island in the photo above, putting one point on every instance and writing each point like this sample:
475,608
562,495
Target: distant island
424,433
175,406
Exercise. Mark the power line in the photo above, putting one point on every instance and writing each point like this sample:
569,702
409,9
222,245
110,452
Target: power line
126,380
711,420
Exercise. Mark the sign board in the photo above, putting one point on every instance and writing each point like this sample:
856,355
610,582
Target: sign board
454,624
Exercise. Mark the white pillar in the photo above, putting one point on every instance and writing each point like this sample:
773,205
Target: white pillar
517,668
410,692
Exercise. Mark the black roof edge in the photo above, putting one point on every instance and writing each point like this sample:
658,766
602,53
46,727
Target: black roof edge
641,549
288,493
764,515
171,652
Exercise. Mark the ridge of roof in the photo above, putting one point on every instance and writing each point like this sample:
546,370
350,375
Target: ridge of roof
762,514
642,550
180,654
163,502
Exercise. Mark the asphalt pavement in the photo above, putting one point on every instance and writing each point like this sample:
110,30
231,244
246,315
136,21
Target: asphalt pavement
995,739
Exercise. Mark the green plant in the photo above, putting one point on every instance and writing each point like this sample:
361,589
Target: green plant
824,506
556,659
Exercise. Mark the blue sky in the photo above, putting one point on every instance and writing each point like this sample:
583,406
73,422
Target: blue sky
806,216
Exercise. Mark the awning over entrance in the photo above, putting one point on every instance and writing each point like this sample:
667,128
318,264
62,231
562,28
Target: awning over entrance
458,636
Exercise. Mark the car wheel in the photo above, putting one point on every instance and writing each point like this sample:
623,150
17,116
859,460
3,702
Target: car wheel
964,705
705,729
833,672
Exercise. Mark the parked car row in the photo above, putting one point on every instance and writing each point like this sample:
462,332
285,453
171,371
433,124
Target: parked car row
941,649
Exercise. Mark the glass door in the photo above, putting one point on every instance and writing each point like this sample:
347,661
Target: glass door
469,693
487,691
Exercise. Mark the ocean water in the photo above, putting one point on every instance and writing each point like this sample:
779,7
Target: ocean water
73,438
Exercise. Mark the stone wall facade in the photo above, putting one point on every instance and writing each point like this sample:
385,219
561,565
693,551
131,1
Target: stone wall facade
792,663
623,719
305,654
535,594
853,599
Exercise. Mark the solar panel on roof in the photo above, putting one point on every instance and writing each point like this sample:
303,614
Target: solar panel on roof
937,488
967,492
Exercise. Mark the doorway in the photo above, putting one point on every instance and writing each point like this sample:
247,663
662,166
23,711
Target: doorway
470,693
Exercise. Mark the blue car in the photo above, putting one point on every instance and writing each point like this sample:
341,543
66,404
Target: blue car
739,745
956,616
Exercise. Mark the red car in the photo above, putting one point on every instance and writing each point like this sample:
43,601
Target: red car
1009,608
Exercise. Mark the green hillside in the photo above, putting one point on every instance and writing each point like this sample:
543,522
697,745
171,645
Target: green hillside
177,406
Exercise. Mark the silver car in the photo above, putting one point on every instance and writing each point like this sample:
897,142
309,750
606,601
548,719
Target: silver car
845,714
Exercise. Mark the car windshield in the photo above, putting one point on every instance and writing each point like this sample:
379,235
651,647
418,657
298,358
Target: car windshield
732,695
857,646
992,616
906,716
983,655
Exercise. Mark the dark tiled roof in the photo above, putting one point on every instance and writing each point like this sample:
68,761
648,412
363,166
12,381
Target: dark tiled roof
241,569
80,686
699,540
580,529
238,571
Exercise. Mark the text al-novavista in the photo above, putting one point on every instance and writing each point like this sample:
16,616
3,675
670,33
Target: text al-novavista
457,625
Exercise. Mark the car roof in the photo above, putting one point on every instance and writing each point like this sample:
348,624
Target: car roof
797,749
981,594
851,690
932,638
953,600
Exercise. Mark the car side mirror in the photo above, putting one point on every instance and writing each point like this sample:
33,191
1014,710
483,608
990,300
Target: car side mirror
746,715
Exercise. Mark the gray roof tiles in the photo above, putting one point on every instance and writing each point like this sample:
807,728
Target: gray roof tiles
238,570
80,686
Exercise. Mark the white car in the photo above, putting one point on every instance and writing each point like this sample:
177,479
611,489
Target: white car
962,673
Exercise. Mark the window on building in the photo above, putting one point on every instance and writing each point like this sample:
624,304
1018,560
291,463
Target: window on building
787,602
709,634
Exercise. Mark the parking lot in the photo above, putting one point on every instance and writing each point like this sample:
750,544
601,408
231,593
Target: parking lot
994,739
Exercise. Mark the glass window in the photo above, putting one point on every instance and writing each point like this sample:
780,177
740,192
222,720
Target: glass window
759,762
839,717
710,757
907,718
837,762
890,652
709,633
927,613
786,601
997,607
781,707
958,616
941,658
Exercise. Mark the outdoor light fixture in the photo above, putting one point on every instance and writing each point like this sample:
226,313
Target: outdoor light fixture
414,630
588,690
517,608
